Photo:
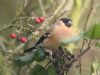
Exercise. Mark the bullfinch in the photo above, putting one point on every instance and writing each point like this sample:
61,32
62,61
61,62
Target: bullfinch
60,34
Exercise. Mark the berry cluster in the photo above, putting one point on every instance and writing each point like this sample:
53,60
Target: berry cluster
22,39
39,20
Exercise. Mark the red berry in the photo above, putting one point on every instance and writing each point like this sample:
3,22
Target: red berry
23,39
13,35
41,19
37,21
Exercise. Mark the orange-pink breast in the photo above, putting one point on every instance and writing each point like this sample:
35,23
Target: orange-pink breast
60,33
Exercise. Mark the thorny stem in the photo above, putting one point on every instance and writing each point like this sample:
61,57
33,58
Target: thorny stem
88,16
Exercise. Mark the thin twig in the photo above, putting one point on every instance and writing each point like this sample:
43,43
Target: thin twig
48,63
87,24
87,49
88,16
21,26
93,32
6,51
8,27
78,57
18,71
17,19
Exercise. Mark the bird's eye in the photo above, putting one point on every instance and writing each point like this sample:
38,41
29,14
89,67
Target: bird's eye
67,21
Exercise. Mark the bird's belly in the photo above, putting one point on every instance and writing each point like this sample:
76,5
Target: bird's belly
51,44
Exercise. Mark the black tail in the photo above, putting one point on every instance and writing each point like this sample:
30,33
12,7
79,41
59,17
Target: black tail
29,49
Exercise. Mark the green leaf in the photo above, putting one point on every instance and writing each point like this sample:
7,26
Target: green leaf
37,25
32,22
23,60
51,70
39,54
95,31
39,70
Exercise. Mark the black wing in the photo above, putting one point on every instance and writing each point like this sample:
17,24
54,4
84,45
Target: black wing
42,38
29,49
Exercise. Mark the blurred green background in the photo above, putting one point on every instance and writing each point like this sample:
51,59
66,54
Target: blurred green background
77,10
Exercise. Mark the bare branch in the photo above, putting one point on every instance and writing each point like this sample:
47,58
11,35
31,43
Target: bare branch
90,11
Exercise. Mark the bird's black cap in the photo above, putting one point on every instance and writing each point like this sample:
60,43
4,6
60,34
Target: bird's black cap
67,21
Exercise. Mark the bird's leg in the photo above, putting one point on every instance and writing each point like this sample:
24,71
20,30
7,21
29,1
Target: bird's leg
57,56
61,51
50,54
53,55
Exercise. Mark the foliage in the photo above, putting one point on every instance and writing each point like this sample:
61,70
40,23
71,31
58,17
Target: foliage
26,24
94,30
39,70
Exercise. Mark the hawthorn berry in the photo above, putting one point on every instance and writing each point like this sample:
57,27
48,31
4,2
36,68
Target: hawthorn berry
41,19
37,21
23,39
13,35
